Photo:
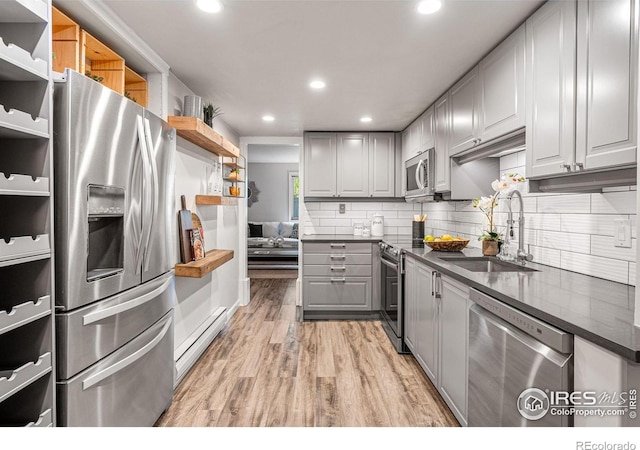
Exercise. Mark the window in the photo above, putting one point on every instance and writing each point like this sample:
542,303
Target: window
294,196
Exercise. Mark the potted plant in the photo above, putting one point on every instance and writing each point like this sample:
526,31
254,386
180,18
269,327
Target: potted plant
492,238
210,112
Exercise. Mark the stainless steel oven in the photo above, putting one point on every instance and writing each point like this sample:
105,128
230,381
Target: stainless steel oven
420,177
392,294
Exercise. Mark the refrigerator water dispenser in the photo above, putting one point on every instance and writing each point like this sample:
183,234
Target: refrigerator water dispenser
105,255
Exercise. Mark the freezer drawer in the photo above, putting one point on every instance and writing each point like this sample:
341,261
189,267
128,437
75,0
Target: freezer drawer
131,387
88,334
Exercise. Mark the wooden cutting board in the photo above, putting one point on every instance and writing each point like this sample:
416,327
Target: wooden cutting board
185,223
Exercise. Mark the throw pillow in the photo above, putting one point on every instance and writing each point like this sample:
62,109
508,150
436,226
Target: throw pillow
255,230
286,228
294,231
270,229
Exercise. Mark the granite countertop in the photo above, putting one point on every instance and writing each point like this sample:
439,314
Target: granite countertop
597,310
339,238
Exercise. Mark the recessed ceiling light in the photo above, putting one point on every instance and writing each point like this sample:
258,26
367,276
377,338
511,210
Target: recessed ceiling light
366,119
268,118
429,6
317,84
210,6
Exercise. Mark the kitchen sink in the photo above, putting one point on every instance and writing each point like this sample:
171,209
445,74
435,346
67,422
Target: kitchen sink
486,264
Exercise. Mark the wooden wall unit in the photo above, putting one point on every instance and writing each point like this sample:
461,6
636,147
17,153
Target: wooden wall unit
136,87
65,36
101,61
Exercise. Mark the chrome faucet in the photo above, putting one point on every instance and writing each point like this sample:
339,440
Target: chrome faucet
522,256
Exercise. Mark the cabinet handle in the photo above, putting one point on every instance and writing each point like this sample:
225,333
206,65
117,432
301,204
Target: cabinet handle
433,283
566,167
338,269
578,166
338,257
338,245
338,280
438,284
479,140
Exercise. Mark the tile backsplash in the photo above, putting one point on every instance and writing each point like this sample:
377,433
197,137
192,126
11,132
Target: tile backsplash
570,231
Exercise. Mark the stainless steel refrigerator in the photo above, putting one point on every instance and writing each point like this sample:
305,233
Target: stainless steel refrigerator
114,224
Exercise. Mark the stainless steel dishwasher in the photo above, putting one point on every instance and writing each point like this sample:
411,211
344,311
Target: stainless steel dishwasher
511,352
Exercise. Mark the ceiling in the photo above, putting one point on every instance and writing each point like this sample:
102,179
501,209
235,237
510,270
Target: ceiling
378,58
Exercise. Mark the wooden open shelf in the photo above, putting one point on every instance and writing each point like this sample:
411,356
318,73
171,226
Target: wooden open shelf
65,36
232,164
198,269
136,86
199,133
101,61
215,200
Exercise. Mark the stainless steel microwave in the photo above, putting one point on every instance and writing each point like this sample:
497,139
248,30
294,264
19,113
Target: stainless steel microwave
419,177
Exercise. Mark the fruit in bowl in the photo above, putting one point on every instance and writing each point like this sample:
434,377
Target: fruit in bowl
446,243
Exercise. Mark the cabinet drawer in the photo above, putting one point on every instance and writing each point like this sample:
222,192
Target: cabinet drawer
337,259
337,248
341,294
337,270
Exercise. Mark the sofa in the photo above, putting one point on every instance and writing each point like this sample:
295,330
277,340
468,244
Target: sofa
272,245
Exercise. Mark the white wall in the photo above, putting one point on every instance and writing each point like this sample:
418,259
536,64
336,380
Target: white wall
569,231
199,298
272,180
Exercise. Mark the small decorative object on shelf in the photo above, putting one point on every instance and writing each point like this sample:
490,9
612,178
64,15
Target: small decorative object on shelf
94,77
233,176
210,112
197,246
491,238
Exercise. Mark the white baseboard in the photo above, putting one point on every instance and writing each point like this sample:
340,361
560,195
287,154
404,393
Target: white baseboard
298,292
245,291
195,345
231,311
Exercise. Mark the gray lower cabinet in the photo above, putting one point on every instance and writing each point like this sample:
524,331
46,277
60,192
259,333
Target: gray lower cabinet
337,277
454,326
436,331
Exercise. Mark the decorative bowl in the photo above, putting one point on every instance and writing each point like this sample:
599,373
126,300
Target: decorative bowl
448,246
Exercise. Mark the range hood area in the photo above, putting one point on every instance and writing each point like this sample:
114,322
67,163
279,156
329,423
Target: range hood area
468,163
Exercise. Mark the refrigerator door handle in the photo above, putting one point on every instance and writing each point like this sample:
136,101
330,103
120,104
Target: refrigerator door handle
97,316
146,229
154,193
125,362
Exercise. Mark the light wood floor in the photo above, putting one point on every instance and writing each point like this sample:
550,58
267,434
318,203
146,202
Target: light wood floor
266,369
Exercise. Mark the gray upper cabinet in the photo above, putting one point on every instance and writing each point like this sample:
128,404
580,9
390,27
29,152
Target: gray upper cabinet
443,165
464,111
382,165
320,165
427,127
550,113
349,165
502,88
606,123
353,165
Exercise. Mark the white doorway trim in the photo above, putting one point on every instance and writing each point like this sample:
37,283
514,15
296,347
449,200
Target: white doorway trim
245,141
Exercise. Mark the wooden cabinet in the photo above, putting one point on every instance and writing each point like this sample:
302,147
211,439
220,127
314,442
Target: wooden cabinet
382,167
320,165
337,276
436,331
501,83
442,130
349,165
607,83
454,331
464,111
353,165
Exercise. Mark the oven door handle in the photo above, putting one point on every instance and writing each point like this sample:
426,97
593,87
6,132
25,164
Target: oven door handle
388,263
